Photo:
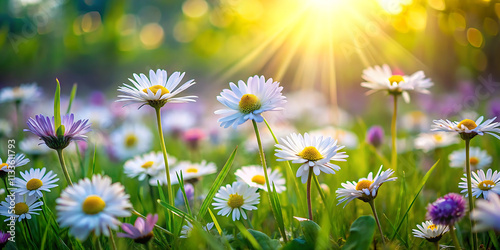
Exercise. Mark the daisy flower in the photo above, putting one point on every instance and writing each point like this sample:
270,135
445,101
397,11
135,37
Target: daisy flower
482,184
468,128
32,146
35,181
447,210
430,231
92,205
155,91
142,230
192,171
430,141
478,158
22,93
25,206
344,137
382,79
43,126
254,177
366,189
487,214
130,140
187,229
314,152
146,165
235,199
248,101
11,163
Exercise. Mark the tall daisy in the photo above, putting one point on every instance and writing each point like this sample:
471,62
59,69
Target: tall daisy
92,205
249,100
314,153
235,199
24,206
34,181
130,140
430,231
366,189
478,158
487,214
254,176
482,184
383,79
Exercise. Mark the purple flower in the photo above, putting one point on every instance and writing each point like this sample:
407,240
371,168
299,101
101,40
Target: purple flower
375,136
447,210
43,126
179,198
4,238
142,231
495,109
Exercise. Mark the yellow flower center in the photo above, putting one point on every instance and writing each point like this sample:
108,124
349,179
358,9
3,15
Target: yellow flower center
130,140
468,123
259,179
310,153
432,227
34,184
474,161
3,165
486,185
363,184
21,208
396,79
155,89
192,170
235,200
93,204
249,103
438,138
147,164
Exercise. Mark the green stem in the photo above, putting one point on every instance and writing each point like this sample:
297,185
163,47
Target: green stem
249,222
167,170
394,155
151,192
436,245
469,192
112,238
309,204
18,119
264,165
454,237
5,183
63,166
157,227
374,210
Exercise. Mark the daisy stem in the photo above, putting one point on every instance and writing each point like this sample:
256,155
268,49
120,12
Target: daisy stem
18,118
249,222
151,192
264,165
454,237
167,170
157,227
5,183
374,210
473,236
394,155
309,204
63,166
436,245
112,238
29,230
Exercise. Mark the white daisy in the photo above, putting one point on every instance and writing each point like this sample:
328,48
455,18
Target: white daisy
430,231
22,93
146,165
92,206
192,170
24,207
35,181
33,146
130,140
382,79
482,184
186,229
5,128
478,158
161,176
178,120
12,162
236,199
468,128
430,141
248,101
100,116
314,152
155,91
344,137
366,189
487,214
415,121
254,176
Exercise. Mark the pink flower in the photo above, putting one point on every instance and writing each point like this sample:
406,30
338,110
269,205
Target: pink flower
142,231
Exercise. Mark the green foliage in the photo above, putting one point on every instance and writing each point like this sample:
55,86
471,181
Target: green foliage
361,233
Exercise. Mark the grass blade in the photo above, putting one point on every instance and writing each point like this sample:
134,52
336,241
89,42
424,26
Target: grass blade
57,106
167,214
216,223
176,211
277,208
247,235
71,98
180,178
216,185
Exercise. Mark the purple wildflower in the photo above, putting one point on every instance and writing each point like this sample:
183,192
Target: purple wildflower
495,109
179,198
4,238
447,210
43,126
375,136
142,230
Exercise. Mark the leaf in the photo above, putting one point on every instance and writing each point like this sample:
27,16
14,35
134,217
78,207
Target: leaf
275,202
421,186
162,197
247,235
176,211
57,106
310,230
180,179
361,233
60,131
216,185
254,239
216,223
71,98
